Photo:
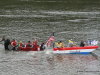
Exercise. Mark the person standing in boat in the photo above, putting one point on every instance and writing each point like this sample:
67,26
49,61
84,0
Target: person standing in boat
71,44
35,42
60,44
13,44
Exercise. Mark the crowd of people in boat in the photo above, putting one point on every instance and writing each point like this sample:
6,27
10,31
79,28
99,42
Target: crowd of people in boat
72,44
60,44
15,44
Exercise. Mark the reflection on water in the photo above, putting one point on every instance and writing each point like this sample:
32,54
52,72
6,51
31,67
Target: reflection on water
73,64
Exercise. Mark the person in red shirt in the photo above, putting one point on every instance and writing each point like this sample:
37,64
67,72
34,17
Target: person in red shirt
35,42
13,44
28,44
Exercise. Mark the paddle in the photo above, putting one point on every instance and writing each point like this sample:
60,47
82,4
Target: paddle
63,48
2,39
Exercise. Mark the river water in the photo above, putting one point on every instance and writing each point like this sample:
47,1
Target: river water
25,20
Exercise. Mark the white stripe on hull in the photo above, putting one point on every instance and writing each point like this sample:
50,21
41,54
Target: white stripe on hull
74,51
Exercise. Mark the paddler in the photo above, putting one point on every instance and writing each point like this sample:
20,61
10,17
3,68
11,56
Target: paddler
20,44
13,43
35,42
60,44
71,44
28,44
82,44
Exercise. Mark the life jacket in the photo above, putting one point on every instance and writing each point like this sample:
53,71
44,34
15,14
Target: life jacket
20,44
82,44
14,43
35,44
41,47
59,44
70,41
27,45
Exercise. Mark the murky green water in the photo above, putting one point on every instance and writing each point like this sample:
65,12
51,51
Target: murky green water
28,19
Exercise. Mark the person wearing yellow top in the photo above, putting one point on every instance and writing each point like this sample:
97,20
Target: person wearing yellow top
71,41
71,44
60,44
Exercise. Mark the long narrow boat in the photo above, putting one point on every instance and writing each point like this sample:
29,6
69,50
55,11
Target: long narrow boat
17,48
75,50
29,49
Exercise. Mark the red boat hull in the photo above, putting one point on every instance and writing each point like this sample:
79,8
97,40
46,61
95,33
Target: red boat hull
29,48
